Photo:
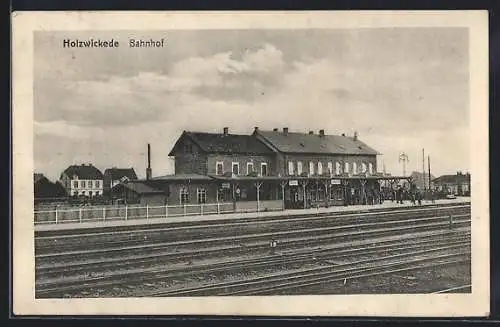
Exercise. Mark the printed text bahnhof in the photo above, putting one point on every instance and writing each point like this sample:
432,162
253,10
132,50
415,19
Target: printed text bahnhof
112,43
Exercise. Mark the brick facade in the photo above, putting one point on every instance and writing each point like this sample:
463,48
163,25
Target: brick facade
242,160
189,159
324,160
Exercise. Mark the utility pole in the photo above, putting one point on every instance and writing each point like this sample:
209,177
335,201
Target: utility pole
423,167
429,167
403,157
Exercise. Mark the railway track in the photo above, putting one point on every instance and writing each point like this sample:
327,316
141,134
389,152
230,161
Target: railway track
106,264
64,286
48,244
272,284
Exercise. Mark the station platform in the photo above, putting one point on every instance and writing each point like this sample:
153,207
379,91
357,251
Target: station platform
242,215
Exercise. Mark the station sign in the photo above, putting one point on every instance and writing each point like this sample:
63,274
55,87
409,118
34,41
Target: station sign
225,185
335,182
293,183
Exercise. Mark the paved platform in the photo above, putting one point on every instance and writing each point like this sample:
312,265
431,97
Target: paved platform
242,215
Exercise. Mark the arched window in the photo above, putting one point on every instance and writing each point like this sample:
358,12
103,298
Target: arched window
299,168
337,168
370,168
320,168
330,168
354,168
363,168
346,167
290,168
311,168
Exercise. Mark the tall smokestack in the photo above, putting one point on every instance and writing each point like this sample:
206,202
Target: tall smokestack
148,170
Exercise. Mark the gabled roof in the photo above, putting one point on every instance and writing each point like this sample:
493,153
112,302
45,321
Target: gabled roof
458,178
118,173
83,172
224,144
139,188
37,177
315,144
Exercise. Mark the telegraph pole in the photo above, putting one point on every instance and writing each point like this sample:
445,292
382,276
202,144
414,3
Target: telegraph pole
423,167
403,157
429,167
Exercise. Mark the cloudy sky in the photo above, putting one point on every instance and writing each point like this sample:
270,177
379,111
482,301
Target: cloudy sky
401,89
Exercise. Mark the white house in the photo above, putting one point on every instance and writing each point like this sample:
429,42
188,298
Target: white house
82,180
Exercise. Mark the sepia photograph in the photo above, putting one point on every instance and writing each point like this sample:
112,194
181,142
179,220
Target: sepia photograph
255,164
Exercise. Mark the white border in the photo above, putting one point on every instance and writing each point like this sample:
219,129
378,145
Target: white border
25,23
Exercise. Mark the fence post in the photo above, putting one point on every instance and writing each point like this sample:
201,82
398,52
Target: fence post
126,212
166,210
184,209
147,212
103,213
80,214
56,215
201,209
218,208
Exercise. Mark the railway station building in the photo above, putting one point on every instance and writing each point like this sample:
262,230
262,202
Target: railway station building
271,170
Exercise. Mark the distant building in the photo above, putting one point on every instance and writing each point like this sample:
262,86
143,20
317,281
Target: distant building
82,180
421,180
114,176
137,193
458,184
47,191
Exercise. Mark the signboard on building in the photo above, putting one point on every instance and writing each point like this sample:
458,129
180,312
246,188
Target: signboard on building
225,185
293,183
335,182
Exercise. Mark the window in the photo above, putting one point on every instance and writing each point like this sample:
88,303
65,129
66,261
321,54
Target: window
354,168
82,184
97,184
188,148
236,168
263,169
201,195
363,168
299,168
219,168
90,193
320,168
97,193
330,168
311,168
184,195
83,193
370,168
249,168
90,184
337,168
346,168
291,169
75,184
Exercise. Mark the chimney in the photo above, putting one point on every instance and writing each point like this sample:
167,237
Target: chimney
311,132
321,132
275,129
355,136
285,130
226,130
148,170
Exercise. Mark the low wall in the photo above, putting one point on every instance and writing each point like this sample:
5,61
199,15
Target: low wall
251,206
